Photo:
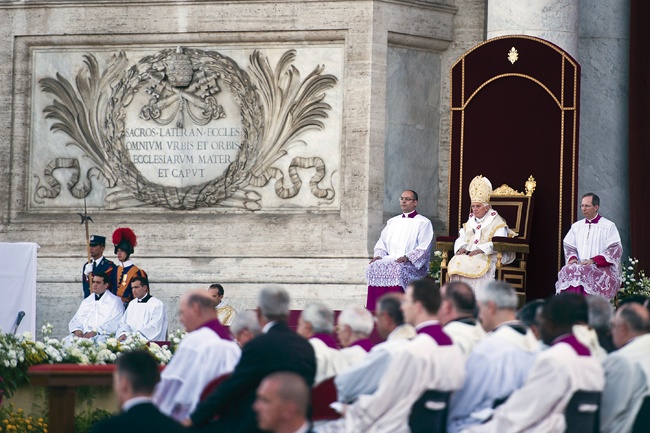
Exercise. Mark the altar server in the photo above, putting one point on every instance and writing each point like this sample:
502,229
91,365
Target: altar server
99,314
402,252
146,314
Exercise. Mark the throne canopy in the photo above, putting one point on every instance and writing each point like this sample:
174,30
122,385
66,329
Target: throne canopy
514,112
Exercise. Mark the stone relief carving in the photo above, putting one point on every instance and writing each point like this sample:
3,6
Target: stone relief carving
187,128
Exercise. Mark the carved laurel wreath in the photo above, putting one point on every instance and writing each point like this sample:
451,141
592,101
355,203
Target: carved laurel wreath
275,107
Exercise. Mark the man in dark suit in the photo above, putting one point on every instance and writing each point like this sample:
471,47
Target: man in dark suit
281,404
134,380
277,349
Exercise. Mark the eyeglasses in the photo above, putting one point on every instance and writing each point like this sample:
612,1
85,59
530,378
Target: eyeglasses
405,199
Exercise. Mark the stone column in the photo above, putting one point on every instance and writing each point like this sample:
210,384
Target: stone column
553,20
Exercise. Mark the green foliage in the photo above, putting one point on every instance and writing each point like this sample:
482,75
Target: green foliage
84,421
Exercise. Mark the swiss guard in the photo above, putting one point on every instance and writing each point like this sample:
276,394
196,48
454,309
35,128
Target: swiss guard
97,264
125,241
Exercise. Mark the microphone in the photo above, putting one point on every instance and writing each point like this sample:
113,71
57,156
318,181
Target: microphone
19,319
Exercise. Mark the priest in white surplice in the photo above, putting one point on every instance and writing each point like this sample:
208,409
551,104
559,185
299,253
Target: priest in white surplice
456,315
499,364
146,314
428,362
364,377
474,260
99,314
206,353
627,370
593,251
316,324
402,253
558,372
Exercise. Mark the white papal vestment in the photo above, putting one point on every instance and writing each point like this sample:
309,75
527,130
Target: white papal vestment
476,234
201,357
147,316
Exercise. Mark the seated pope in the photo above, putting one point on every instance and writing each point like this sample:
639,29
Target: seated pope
402,252
593,251
474,260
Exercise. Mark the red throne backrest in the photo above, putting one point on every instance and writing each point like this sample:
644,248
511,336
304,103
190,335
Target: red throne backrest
321,396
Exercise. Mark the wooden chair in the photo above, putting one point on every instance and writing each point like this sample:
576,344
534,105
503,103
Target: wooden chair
517,209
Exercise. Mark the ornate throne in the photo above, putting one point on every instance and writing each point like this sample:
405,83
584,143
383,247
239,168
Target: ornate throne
515,111
517,209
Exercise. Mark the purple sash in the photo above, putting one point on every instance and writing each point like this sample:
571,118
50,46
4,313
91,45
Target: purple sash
218,328
572,341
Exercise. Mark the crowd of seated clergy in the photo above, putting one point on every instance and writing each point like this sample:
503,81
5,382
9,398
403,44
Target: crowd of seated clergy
499,369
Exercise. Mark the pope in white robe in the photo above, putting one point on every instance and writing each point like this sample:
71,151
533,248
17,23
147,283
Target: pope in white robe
593,250
558,372
402,253
497,366
146,315
99,314
474,261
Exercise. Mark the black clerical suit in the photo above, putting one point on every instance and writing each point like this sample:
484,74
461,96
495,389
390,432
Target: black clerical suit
140,418
280,349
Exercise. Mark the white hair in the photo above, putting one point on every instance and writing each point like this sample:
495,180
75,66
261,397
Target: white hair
358,319
246,319
501,293
273,302
600,312
320,316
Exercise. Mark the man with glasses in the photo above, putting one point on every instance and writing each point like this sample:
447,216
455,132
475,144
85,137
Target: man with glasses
402,253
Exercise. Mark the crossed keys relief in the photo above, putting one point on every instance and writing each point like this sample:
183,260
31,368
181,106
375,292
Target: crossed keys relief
178,88
180,94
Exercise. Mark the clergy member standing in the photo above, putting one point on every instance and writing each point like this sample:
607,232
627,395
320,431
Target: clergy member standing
146,314
402,253
98,315
593,251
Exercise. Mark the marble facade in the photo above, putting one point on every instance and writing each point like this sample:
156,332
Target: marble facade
385,128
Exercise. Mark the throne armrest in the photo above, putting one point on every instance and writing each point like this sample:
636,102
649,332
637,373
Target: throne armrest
510,245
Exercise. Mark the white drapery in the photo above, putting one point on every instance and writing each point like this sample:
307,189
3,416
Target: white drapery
18,286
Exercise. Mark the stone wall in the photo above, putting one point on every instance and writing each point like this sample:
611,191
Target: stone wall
317,247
